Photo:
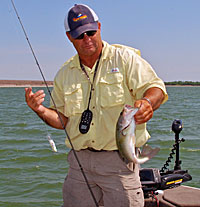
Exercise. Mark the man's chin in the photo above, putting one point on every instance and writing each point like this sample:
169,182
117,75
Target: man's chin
89,51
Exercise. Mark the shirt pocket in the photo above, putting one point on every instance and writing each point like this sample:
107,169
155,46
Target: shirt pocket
112,91
73,96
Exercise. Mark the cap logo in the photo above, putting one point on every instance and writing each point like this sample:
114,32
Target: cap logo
80,17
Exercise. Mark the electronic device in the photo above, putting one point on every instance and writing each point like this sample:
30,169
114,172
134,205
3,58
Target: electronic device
85,122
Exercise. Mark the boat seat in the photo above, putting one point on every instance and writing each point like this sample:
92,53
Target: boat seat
182,196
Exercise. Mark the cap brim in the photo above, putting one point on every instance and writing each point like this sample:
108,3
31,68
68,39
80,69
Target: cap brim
84,28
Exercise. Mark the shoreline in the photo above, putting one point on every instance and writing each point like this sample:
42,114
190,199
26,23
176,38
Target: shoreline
36,83
182,85
24,83
23,86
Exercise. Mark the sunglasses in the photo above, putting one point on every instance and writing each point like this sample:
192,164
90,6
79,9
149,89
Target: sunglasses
88,33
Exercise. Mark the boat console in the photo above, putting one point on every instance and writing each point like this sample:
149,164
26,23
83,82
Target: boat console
153,179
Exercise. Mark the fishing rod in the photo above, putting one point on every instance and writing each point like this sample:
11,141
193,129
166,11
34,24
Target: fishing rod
59,116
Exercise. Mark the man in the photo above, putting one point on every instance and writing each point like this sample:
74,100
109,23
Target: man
95,84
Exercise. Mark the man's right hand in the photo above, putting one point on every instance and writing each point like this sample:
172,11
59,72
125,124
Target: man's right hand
35,100
50,116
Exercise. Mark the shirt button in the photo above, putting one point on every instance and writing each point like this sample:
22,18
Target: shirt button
93,141
93,107
92,123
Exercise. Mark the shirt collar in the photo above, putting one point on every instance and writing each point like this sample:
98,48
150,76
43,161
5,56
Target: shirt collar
74,62
106,54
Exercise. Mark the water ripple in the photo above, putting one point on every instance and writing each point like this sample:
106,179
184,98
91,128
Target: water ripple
31,175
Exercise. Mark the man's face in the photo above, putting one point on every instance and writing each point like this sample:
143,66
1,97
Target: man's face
88,45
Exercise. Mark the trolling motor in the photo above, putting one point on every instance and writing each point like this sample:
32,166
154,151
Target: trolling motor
177,127
153,179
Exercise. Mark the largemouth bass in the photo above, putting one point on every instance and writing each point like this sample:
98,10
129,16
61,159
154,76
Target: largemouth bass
125,138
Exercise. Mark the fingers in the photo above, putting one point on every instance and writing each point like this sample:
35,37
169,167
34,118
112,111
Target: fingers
28,93
34,100
145,112
39,97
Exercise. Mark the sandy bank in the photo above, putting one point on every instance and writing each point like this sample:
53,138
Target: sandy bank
24,83
36,83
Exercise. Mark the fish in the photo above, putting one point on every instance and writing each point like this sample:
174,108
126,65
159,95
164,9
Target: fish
126,139
52,143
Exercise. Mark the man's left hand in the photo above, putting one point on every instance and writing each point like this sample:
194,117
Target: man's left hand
145,112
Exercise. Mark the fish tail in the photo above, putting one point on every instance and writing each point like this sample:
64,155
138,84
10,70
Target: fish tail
141,160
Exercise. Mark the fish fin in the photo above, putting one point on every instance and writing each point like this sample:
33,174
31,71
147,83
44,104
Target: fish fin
148,151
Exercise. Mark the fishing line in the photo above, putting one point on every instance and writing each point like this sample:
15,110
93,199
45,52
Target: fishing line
59,116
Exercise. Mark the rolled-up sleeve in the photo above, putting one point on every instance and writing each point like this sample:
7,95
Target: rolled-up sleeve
141,77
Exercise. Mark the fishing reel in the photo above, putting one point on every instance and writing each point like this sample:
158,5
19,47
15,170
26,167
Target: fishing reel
153,179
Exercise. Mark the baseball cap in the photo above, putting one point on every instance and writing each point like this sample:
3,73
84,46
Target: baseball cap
80,19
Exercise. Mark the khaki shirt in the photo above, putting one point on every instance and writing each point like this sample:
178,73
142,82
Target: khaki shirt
122,77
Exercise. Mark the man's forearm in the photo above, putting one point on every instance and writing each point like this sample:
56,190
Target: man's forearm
155,96
51,117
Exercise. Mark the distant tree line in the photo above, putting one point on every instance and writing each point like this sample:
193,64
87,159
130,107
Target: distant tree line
191,83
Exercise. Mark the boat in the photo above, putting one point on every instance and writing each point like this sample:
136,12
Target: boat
163,188
182,196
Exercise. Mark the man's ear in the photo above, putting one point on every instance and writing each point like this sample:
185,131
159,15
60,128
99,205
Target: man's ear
99,25
69,36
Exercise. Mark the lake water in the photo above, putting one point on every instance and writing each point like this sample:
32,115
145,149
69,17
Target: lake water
31,175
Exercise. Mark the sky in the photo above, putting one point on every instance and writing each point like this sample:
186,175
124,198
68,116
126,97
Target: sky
166,32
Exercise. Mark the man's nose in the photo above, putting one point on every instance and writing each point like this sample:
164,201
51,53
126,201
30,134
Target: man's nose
86,37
